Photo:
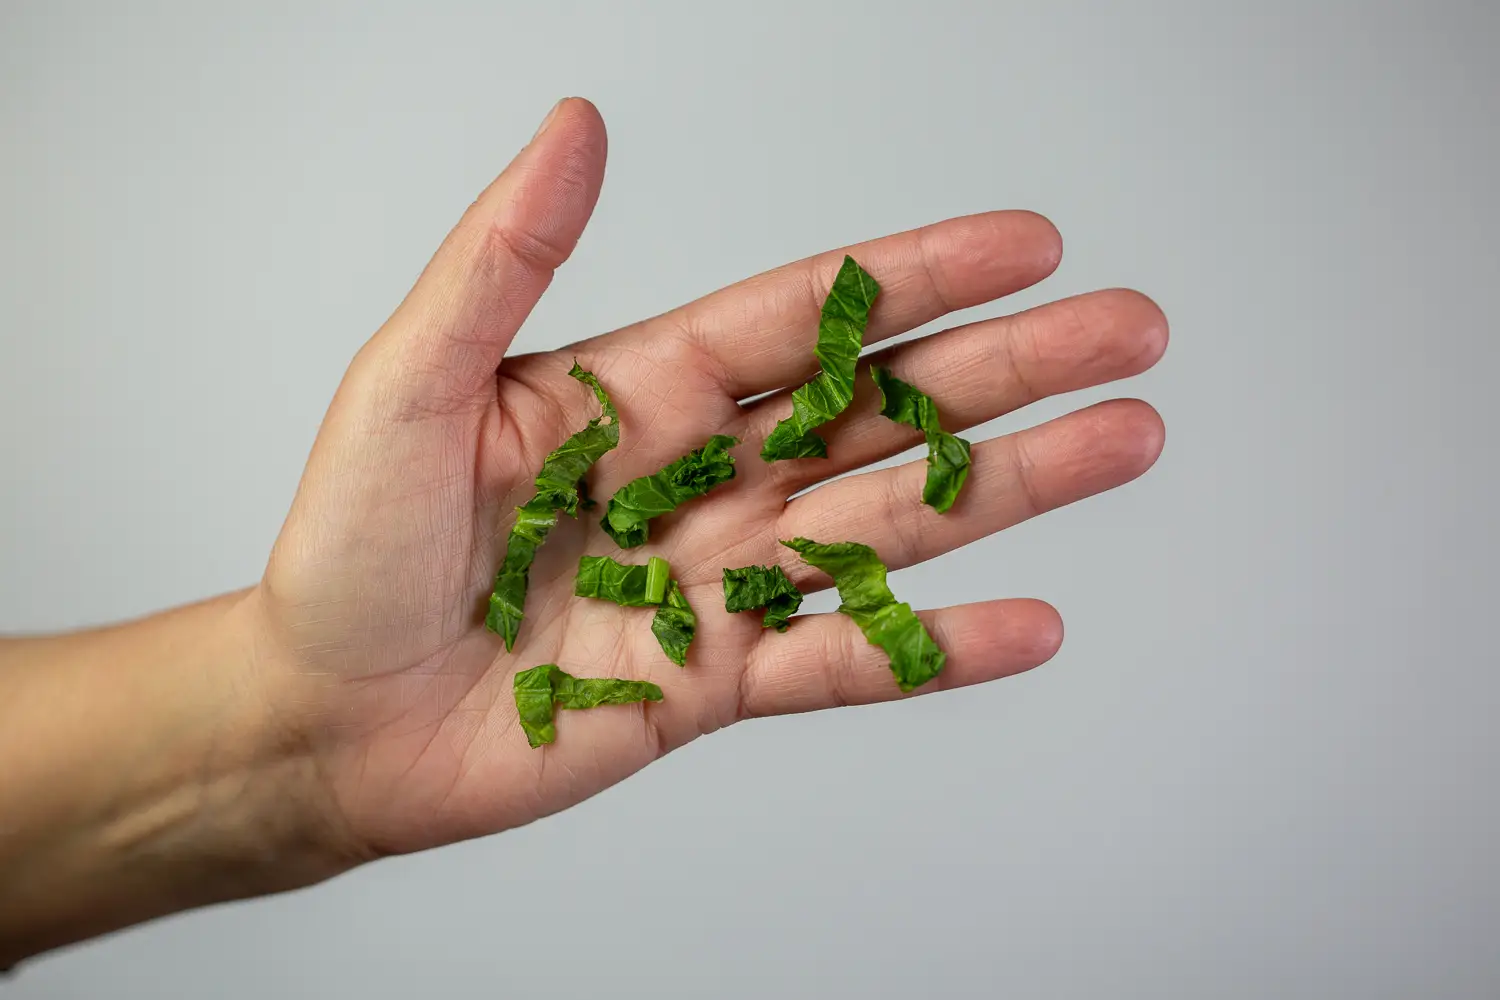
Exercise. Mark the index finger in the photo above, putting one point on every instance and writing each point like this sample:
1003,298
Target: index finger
760,333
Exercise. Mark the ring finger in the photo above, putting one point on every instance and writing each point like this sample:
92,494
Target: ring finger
1012,478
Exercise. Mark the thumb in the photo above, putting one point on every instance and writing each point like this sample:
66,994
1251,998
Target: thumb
447,337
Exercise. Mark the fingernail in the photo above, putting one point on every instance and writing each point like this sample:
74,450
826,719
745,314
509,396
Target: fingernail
548,120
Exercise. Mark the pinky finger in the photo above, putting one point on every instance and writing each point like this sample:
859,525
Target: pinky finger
823,661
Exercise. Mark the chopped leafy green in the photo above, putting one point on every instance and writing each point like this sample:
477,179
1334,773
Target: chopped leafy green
602,578
558,488
768,587
674,625
841,334
658,575
947,454
650,585
541,690
860,577
694,474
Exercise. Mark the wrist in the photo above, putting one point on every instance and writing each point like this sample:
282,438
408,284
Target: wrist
244,802
154,772
279,787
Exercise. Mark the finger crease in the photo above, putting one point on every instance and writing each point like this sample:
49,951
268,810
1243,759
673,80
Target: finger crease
1025,473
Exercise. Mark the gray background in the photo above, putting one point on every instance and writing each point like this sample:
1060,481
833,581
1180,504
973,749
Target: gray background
1264,762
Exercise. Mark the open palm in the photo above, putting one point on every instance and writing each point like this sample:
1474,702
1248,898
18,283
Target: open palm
375,593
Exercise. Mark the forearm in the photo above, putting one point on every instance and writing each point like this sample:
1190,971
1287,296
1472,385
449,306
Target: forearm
147,768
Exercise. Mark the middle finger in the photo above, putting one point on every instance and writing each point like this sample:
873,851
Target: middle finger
975,373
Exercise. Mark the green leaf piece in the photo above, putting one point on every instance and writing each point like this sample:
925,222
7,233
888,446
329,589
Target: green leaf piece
893,626
751,587
658,575
601,578
558,488
651,585
841,335
694,474
541,690
675,625
947,454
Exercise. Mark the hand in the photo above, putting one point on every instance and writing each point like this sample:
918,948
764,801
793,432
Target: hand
372,604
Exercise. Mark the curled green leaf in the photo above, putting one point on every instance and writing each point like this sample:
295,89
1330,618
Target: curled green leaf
543,689
651,585
558,488
630,510
751,587
893,626
947,454
841,334
674,625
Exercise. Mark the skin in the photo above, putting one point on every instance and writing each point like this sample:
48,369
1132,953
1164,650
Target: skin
351,705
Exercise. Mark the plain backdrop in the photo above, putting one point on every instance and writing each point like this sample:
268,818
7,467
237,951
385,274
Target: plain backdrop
1265,761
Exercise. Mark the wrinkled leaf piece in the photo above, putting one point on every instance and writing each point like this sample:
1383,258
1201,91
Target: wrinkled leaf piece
947,454
841,335
557,489
675,625
751,587
541,690
694,474
893,626
601,578
651,585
